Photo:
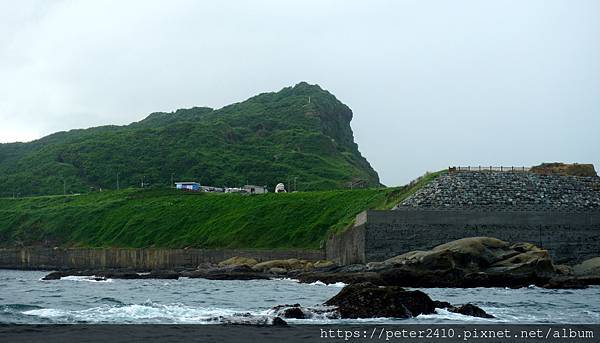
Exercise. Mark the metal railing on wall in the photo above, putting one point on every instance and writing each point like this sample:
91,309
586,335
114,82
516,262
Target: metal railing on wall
489,168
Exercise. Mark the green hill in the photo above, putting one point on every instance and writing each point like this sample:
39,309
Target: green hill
171,218
299,132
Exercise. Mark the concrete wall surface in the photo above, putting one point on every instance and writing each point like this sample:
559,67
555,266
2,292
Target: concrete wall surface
569,237
139,259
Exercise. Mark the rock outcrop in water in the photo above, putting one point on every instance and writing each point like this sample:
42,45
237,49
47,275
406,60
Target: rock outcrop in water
367,300
480,261
464,263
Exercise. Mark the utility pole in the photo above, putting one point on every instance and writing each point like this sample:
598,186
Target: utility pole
64,186
118,181
142,181
172,175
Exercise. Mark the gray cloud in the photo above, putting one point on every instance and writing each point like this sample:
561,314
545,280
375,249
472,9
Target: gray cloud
431,83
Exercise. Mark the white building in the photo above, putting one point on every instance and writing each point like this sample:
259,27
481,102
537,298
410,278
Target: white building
252,189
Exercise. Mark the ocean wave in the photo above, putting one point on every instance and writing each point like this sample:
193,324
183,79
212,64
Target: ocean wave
320,283
286,279
148,312
8,308
442,315
90,278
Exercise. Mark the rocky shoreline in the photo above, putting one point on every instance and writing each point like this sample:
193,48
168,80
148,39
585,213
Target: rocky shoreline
464,263
377,289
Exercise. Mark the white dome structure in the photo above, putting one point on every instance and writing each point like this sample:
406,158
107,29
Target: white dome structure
280,188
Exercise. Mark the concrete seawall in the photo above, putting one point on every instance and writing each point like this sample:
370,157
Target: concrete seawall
140,259
378,235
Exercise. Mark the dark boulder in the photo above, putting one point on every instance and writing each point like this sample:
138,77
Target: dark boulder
277,321
161,274
471,310
566,283
234,272
55,275
442,304
294,312
367,300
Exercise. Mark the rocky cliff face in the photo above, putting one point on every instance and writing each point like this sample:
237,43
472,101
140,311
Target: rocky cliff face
508,191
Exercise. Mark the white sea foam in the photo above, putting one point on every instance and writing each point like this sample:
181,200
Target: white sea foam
321,283
445,315
91,278
286,279
145,313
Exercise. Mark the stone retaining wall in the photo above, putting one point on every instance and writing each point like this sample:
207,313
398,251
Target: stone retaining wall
507,191
378,235
139,259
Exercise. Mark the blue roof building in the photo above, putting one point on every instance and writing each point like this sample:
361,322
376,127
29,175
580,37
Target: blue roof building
189,186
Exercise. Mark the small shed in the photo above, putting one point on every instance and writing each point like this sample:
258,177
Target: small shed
188,185
252,189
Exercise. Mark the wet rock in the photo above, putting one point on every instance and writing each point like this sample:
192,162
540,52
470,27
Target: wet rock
161,274
442,304
294,312
55,275
471,310
277,321
195,274
565,283
367,300
467,309
232,272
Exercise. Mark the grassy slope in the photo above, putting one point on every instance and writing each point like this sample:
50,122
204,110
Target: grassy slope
168,218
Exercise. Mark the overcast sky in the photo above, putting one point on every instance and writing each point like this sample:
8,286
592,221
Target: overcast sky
431,83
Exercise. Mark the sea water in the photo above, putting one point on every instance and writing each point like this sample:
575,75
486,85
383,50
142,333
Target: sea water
25,298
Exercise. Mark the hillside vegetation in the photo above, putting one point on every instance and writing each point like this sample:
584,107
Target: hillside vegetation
300,132
170,218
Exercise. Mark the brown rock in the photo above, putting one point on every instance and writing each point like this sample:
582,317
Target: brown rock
574,169
238,261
